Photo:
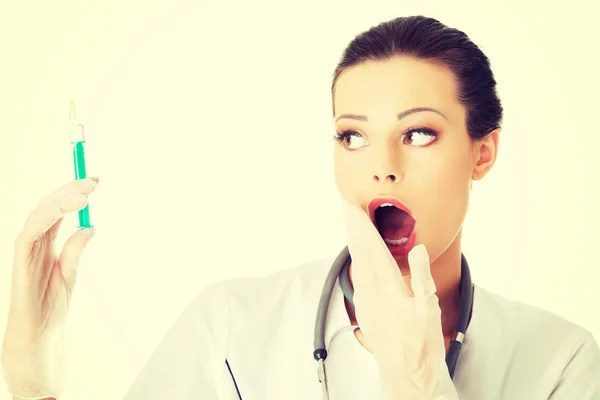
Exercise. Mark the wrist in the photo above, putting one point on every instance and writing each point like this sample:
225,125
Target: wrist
34,376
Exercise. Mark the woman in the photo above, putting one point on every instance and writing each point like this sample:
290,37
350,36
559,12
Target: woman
417,119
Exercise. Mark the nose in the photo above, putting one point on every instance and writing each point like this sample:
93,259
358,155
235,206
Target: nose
385,178
388,168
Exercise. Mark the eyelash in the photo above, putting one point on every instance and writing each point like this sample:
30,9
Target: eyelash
340,137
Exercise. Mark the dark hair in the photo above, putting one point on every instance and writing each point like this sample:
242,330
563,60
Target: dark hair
428,39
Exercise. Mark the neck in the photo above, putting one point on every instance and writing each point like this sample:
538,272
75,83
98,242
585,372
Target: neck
446,273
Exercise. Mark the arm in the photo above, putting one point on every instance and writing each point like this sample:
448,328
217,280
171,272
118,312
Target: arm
581,377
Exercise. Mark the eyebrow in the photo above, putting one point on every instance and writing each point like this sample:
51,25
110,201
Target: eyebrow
399,116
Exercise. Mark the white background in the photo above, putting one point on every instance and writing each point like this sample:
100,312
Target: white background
209,124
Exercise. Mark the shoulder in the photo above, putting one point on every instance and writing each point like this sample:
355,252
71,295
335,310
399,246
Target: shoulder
525,318
565,353
296,285
220,321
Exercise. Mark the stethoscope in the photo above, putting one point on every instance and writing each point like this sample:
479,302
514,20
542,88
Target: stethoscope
341,269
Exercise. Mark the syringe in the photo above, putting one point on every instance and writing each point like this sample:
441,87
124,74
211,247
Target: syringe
77,135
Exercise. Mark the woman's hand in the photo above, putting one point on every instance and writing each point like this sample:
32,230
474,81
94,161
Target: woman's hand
42,284
402,329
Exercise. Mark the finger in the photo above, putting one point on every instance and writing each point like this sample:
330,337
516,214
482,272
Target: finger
367,248
361,233
71,253
81,186
44,217
53,231
357,220
421,281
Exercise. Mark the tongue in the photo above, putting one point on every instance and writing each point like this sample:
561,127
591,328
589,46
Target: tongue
393,223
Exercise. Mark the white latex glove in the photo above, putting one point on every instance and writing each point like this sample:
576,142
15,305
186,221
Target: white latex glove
42,284
402,329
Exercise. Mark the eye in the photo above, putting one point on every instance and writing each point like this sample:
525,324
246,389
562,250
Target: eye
352,140
419,137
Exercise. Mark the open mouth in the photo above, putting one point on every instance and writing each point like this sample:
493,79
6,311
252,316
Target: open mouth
393,221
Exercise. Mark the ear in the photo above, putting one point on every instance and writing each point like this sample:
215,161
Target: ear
485,151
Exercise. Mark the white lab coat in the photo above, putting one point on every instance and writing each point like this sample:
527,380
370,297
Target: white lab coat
264,327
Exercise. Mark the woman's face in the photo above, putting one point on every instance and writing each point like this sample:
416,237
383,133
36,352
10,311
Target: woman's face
403,135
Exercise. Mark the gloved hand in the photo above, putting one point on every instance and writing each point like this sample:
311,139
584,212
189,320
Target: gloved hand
402,329
42,284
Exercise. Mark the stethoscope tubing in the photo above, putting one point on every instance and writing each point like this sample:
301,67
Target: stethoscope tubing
339,269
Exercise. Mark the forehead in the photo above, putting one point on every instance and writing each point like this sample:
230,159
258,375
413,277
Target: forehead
380,89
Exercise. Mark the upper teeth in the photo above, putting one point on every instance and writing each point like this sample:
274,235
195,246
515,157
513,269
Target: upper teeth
387,205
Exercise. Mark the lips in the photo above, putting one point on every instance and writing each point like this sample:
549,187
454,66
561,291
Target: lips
379,201
395,223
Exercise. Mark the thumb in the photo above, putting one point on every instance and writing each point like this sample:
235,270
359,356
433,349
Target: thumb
69,258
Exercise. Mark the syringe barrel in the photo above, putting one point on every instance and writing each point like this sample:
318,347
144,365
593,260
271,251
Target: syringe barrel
77,133
79,160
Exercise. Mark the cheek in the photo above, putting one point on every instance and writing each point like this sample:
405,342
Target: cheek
346,174
450,174
444,199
